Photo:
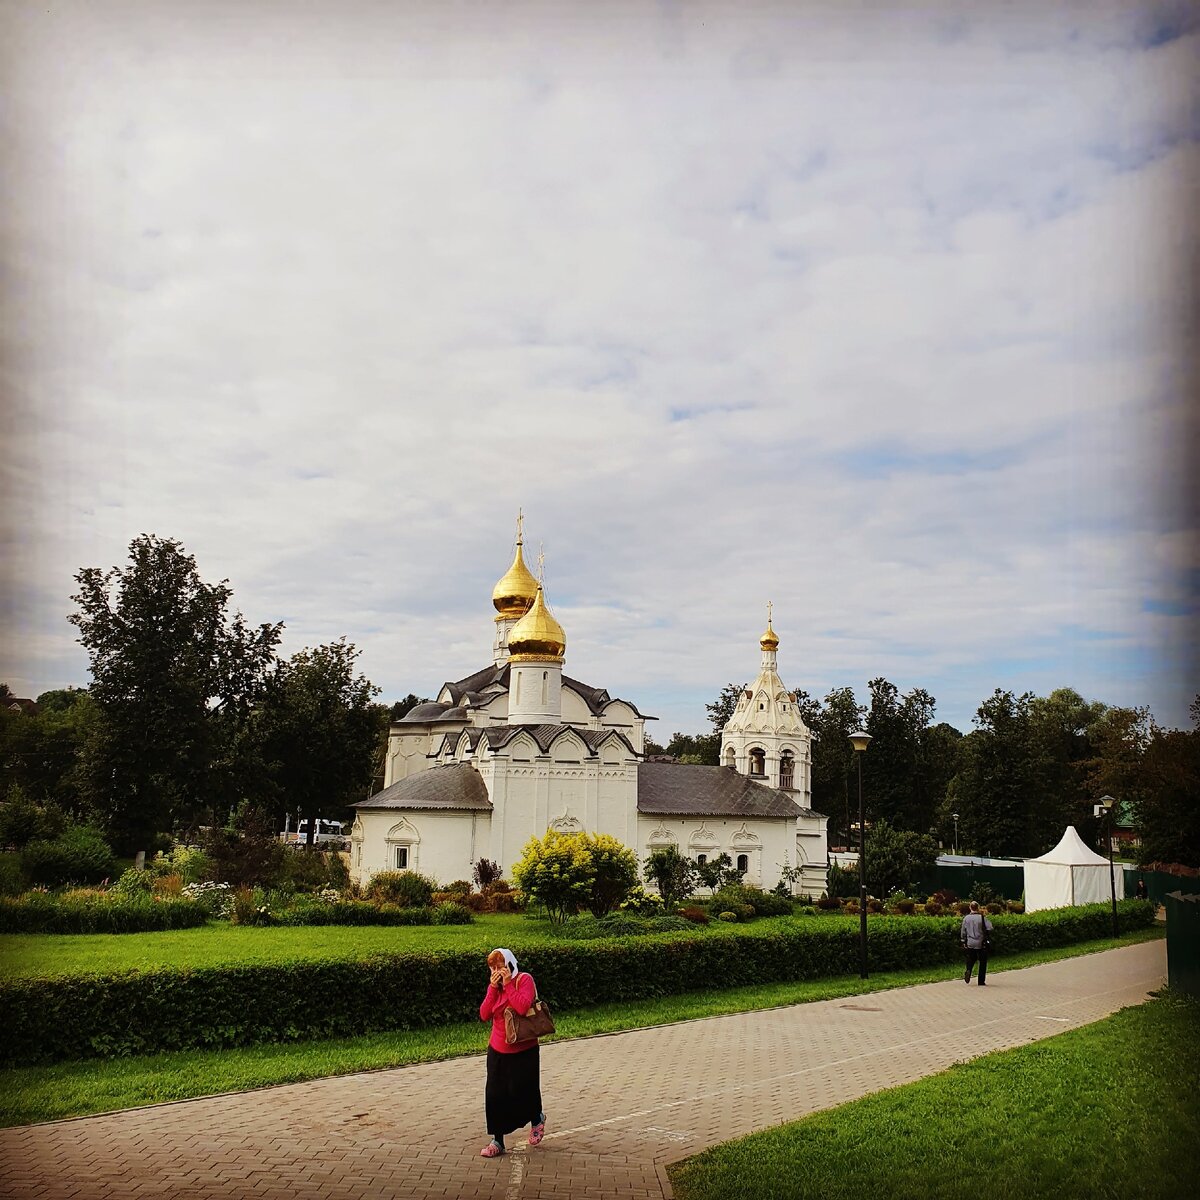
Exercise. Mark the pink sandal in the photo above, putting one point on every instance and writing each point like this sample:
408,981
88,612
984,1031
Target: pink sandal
491,1150
537,1133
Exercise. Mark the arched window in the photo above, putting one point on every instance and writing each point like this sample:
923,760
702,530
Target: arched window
730,757
758,762
701,859
787,770
743,863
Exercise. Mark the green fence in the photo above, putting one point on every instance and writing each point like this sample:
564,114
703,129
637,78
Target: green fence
1008,882
1183,941
1158,883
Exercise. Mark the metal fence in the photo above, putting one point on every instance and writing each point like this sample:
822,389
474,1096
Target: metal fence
1183,941
1158,883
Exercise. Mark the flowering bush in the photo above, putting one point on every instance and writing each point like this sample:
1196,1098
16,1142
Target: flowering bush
215,898
642,902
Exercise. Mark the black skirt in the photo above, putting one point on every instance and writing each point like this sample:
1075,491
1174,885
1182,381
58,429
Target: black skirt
514,1090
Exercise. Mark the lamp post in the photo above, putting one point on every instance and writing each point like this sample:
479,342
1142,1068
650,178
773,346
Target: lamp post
860,741
1108,805
955,816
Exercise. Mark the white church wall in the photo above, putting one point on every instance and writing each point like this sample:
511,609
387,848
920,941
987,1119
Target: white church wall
407,753
765,844
441,845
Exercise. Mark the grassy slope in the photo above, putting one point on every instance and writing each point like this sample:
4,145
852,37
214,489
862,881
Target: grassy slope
71,1089
1108,1110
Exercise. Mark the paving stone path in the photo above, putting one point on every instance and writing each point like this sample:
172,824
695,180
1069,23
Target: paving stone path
620,1107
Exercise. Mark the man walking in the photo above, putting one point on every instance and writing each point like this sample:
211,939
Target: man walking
975,937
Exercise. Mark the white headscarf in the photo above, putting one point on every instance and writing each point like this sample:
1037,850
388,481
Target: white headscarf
510,959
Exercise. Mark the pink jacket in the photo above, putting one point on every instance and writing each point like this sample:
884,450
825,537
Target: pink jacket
517,994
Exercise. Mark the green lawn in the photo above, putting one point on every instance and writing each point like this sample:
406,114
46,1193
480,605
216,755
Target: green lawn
32,1094
1109,1110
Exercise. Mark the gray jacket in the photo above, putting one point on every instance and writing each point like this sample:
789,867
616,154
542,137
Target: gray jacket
971,933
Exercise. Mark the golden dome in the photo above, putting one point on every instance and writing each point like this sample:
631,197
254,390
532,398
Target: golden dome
513,595
537,636
769,639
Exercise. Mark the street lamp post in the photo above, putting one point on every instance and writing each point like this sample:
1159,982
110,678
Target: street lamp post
1108,804
955,816
860,741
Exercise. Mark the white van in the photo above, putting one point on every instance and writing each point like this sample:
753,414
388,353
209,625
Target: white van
327,831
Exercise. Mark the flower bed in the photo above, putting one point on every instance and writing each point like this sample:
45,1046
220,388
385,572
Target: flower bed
98,912
49,1019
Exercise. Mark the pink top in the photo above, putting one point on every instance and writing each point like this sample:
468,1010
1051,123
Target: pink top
517,994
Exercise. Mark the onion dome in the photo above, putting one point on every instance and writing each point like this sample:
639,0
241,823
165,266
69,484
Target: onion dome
513,595
770,639
537,636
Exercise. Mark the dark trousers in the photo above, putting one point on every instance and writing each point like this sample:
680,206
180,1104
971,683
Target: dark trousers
974,956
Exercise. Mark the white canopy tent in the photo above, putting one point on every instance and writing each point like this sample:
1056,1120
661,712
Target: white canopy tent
1069,874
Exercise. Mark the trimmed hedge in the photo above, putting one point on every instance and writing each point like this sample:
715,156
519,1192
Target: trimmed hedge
55,1018
40,912
355,912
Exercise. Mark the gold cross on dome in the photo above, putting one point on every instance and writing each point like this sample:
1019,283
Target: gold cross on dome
541,563
768,612
520,527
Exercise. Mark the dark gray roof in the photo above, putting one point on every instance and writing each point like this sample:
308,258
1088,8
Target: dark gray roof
452,786
429,711
677,789
476,683
545,736
471,687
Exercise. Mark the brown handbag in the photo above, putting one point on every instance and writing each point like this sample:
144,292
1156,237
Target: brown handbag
536,1023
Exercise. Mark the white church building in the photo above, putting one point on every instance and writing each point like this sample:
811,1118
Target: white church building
519,747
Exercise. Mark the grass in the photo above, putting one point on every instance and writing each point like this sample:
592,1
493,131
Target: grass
1108,1110
32,1094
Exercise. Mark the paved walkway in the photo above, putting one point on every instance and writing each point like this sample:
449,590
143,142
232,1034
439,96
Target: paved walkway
620,1107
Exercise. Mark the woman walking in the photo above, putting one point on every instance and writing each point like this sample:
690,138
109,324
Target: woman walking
513,1097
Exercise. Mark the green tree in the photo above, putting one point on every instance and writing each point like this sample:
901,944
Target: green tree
399,709
674,875
1062,724
716,873
703,749
831,724
721,709
556,872
897,859
1168,806
174,675
315,732
614,872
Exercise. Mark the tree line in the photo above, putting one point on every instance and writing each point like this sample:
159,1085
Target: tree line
190,716
1030,766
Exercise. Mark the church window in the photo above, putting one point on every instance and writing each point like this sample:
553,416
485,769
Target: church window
545,687
743,863
761,706
730,758
401,858
701,859
758,762
787,770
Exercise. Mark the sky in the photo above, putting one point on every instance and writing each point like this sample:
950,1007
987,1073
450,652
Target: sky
884,315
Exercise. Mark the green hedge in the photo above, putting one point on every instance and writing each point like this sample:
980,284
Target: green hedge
351,912
41,912
55,1018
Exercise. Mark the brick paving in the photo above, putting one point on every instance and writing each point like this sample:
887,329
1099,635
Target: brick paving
620,1107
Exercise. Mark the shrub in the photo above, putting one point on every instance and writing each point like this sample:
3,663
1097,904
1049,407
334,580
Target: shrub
727,916
556,873
1015,906
962,908
984,894
451,914
763,904
504,902
852,907
249,907
79,855
305,870
667,924
96,912
843,881
673,875
167,885
874,905
828,903
405,889
459,886
945,897
645,903
614,872
247,853
897,857
476,902
933,908
485,871
51,1018
694,914
806,910
12,879
23,820
215,898
134,883
996,907
906,906
189,862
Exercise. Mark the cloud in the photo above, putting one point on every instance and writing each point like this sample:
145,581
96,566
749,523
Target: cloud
878,315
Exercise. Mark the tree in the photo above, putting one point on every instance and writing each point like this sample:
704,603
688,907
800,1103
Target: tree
897,859
174,675
315,731
1062,725
1168,806
674,875
721,709
556,872
614,872
703,749
401,708
831,724
1001,778
716,873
